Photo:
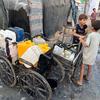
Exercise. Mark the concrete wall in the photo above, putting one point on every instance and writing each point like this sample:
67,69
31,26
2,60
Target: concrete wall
3,16
55,14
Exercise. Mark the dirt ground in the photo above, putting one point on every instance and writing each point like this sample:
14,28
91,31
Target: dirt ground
65,91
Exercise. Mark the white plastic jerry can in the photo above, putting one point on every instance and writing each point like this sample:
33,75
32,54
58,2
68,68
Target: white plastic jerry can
11,35
6,34
58,50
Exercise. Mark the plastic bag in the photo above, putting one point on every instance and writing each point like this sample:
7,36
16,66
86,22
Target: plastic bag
39,40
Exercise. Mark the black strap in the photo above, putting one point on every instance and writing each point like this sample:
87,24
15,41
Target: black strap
26,62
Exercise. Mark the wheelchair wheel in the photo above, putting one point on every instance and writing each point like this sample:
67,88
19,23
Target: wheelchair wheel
2,53
57,70
7,73
35,85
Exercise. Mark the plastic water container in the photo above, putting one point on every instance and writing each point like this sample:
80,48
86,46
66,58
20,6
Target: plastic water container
44,47
10,34
4,34
69,55
58,50
23,46
32,55
19,33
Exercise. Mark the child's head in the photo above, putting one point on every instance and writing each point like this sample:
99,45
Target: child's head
94,9
96,25
82,19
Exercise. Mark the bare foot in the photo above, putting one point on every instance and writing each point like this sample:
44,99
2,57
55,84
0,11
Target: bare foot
79,83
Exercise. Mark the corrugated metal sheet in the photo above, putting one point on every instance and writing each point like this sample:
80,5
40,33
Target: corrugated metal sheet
36,17
3,16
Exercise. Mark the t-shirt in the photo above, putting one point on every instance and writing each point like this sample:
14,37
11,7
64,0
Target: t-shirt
80,31
93,16
90,52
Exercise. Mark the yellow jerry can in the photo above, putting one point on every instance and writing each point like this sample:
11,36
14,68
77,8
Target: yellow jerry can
44,47
23,46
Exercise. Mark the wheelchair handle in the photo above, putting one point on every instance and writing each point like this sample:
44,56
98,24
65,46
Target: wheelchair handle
7,38
72,45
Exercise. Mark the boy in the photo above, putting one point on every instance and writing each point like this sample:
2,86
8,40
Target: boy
93,15
80,29
90,49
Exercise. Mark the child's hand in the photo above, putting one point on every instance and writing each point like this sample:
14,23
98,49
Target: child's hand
83,37
81,40
73,31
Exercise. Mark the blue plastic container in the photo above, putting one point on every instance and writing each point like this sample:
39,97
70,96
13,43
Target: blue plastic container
19,33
